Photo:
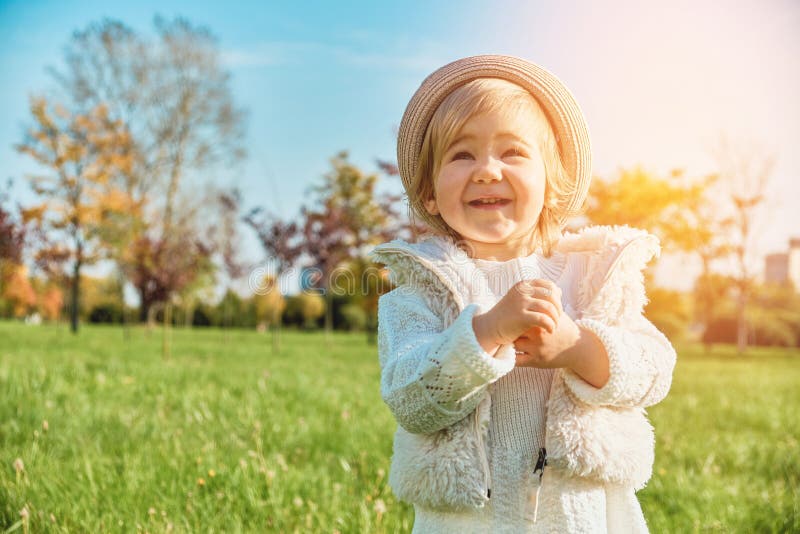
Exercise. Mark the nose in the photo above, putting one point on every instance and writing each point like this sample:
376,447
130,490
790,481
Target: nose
488,171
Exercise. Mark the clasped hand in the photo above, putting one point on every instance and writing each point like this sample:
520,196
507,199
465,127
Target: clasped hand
531,317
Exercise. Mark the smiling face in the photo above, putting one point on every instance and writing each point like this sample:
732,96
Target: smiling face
491,182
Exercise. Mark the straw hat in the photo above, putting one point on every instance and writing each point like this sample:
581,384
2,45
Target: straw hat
566,118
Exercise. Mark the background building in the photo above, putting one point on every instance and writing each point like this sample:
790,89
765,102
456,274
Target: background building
783,267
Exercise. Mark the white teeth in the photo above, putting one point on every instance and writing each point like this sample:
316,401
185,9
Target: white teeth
484,201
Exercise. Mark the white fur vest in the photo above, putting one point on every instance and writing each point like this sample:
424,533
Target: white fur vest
601,433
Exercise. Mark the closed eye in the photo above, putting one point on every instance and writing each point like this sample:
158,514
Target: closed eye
515,153
462,155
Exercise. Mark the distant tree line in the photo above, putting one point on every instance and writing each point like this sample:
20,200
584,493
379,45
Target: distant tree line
133,147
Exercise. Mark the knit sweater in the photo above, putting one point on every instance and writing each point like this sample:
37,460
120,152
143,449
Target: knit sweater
432,376
520,397
516,428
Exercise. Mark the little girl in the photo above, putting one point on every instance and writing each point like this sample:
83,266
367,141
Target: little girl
514,356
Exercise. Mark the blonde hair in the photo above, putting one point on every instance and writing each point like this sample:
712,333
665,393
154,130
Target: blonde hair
479,96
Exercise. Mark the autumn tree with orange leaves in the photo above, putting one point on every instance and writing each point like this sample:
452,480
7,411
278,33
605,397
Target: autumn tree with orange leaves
15,290
79,153
670,207
174,95
19,293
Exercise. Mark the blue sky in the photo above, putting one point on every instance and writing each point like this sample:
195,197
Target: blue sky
658,83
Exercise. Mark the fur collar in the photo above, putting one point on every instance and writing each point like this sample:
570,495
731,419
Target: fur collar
614,256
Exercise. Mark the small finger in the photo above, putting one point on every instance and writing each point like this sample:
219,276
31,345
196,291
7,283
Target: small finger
543,291
550,291
526,287
547,307
545,321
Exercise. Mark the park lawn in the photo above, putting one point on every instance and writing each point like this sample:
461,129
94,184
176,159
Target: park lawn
99,433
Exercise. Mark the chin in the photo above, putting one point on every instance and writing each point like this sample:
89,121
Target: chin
493,232
489,239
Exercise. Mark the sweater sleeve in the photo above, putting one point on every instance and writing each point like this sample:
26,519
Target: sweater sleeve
641,360
431,376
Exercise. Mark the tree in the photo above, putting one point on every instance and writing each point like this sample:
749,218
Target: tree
662,205
371,282
175,98
12,234
81,153
346,221
403,227
773,316
745,174
311,307
226,235
282,244
17,290
51,299
703,230
669,310
101,292
642,199
713,297
269,304
160,269
12,242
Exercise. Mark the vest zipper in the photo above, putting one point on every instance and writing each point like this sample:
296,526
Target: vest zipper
541,462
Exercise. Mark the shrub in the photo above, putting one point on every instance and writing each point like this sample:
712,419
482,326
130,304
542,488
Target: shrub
670,324
106,313
669,310
353,317
304,310
202,315
721,329
765,328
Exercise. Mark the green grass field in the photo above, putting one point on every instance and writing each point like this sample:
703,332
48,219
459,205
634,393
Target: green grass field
99,434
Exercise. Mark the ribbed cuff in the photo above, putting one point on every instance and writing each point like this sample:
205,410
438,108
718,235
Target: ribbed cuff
489,368
617,363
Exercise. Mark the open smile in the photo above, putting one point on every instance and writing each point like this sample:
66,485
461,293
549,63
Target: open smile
489,203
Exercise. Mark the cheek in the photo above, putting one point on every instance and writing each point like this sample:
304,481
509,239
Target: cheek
448,188
530,192
448,178
537,195
534,204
